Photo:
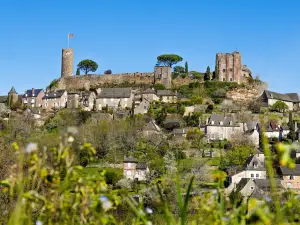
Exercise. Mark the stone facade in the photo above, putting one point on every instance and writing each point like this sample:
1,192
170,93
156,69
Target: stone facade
33,98
229,67
55,100
164,74
134,169
67,62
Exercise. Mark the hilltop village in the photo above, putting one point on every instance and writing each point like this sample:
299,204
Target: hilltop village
148,125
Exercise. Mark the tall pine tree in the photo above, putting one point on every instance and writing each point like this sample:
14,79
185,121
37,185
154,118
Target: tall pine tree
207,74
292,134
186,69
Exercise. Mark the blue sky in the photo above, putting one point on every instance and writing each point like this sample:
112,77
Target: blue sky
127,36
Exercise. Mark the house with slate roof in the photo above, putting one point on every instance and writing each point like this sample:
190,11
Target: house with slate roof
167,96
256,188
150,95
115,98
220,127
135,170
33,98
269,98
290,177
253,168
143,107
83,99
56,99
151,128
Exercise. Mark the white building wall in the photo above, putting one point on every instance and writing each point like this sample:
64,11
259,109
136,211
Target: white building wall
221,132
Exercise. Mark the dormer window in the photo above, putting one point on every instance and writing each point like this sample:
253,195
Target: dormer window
212,122
230,123
221,122
292,177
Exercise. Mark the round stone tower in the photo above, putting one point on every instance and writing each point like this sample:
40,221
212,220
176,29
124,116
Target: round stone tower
67,62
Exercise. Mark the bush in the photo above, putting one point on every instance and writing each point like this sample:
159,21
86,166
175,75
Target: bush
107,72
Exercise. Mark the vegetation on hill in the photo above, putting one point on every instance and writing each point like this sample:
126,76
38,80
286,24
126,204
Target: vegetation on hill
87,66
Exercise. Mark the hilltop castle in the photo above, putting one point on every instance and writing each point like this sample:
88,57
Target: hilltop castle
229,68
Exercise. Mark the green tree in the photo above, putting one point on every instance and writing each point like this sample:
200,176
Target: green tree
77,72
196,75
159,87
238,154
179,69
87,65
207,74
216,73
280,106
168,59
186,68
292,133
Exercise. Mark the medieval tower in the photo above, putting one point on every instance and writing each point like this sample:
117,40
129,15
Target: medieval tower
229,68
67,62
12,97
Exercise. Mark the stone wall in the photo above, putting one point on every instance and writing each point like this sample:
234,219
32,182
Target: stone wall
87,82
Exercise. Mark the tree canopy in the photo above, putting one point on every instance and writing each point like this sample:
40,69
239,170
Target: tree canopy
168,59
280,106
238,154
87,65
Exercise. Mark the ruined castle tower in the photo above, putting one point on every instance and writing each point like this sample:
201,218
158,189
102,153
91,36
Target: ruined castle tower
164,75
229,66
12,97
67,62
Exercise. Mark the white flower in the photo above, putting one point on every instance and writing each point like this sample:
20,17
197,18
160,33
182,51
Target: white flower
214,192
149,211
106,204
70,139
38,223
31,147
72,130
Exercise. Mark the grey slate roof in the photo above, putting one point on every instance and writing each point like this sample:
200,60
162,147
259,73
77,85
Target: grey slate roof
3,99
30,94
141,166
54,94
130,159
289,97
166,93
253,163
115,93
12,91
283,170
226,120
264,184
149,91
151,126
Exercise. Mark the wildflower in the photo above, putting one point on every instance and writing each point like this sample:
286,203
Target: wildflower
72,130
38,223
106,204
267,198
149,223
31,147
225,218
214,192
149,211
70,139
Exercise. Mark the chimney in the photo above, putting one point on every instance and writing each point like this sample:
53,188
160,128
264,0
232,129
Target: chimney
32,91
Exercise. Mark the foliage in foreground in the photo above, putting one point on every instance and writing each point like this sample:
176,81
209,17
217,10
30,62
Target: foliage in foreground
47,187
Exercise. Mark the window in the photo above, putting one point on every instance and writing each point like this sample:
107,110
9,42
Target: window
252,175
223,79
46,104
252,188
128,173
129,165
224,70
230,79
292,177
257,175
230,70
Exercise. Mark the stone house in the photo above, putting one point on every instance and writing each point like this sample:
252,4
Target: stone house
256,188
83,99
150,95
220,127
115,98
135,170
56,99
290,177
143,107
274,130
34,113
179,132
253,168
269,98
253,133
33,98
151,128
167,96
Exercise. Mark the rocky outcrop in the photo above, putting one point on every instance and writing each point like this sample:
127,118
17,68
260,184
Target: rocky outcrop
247,93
